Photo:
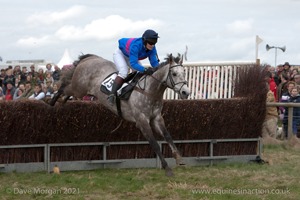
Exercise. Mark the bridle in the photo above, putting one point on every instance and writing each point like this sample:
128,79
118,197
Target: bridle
170,78
173,84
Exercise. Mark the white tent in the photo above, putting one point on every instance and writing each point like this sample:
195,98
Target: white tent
65,60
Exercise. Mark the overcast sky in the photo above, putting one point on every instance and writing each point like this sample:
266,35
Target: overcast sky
213,30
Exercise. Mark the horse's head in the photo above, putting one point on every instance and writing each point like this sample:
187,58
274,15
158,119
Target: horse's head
176,76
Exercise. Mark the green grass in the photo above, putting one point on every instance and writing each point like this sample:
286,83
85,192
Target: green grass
222,181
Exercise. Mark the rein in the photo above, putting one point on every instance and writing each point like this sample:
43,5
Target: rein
173,84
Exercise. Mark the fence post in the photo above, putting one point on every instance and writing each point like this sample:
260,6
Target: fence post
290,123
48,158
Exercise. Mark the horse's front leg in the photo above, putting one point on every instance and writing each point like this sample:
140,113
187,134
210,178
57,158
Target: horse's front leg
158,125
144,126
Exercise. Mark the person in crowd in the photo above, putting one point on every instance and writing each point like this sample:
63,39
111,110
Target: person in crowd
1,94
2,74
271,120
10,90
29,79
41,76
294,72
48,77
56,74
277,78
267,68
19,91
271,81
8,77
285,98
28,91
19,94
48,89
23,75
272,70
297,79
33,74
49,68
17,72
294,98
55,89
129,52
282,87
286,68
38,93
17,82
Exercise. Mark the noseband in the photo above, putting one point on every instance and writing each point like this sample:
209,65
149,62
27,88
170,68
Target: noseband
173,84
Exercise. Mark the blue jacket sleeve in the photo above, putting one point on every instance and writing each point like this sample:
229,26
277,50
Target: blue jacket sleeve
134,60
153,58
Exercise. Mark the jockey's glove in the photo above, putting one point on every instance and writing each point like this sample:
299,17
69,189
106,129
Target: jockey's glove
149,71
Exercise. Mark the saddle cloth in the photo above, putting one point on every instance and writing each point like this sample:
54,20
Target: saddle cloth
125,91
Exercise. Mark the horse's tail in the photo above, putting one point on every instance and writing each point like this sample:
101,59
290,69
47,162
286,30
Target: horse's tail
65,80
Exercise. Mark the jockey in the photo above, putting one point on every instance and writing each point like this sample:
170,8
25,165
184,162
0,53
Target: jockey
130,51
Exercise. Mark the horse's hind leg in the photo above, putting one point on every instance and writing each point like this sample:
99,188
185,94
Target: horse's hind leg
55,98
58,94
66,98
158,125
68,93
145,128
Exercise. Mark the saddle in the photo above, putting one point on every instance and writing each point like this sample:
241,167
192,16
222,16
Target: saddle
125,91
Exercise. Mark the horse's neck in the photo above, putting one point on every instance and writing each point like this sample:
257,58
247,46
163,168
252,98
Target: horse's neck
156,85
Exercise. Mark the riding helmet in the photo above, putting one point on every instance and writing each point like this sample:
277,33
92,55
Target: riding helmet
150,36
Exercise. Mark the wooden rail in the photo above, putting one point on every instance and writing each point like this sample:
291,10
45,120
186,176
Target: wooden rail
290,114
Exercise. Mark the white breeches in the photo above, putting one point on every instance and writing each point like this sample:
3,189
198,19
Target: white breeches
122,63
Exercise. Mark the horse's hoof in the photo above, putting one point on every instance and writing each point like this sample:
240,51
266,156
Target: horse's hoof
169,173
180,163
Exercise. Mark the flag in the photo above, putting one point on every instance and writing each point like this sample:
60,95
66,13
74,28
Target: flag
258,40
185,53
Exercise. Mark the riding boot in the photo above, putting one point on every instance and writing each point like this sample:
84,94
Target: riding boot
117,84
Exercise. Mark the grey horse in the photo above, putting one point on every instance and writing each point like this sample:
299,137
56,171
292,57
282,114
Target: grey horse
145,103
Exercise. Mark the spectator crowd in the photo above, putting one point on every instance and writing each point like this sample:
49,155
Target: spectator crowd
17,83
284,84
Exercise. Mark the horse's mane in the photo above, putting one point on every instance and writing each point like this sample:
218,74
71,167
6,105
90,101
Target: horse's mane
169,59
81,57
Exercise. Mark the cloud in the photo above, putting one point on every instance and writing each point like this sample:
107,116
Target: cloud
101,29
47,18
240,26
35,41
105,28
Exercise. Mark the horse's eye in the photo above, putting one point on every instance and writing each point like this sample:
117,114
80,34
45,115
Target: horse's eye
174,74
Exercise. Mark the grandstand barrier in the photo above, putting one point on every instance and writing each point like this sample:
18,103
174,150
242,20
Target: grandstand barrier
210,80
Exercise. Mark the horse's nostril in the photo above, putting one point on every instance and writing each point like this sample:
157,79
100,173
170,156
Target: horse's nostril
184,93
